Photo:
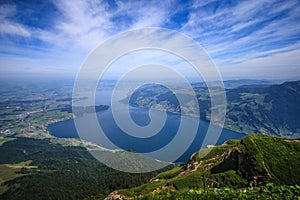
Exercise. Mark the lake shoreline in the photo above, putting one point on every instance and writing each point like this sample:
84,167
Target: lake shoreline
67,129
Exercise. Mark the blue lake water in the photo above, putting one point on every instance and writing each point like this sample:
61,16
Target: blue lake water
66,129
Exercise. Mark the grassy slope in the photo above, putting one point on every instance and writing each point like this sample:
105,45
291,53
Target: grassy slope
12,171
256,160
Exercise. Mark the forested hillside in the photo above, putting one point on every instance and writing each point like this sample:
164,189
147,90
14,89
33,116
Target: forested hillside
269,109
39,169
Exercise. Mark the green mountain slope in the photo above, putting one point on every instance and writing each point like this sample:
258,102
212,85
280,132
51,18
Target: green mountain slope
274,109
257,164
269,109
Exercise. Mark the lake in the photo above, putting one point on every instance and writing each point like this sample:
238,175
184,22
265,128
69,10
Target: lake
66,129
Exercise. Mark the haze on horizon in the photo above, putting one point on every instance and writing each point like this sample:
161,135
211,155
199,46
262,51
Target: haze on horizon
245,39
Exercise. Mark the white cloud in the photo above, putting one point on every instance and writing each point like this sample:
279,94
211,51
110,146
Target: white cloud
222,32
85,24
149,14
257,54
82,25
8,26
79,27
282,65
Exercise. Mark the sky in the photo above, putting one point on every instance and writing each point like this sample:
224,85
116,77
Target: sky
245,39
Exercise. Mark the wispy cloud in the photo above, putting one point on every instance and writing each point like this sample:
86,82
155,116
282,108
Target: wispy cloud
79,27
277,66
85,24
244,29
8,26
233,32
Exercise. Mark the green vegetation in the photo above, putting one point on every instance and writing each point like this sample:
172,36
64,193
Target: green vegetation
4,139
35,169
269,191
168,174
258,166
271,110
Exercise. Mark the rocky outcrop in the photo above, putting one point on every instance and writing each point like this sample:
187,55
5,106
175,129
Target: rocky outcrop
115,196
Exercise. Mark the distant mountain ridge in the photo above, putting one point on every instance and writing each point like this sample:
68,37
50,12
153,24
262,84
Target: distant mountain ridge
268,109
230,84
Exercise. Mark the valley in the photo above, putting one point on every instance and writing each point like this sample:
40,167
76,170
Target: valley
31,159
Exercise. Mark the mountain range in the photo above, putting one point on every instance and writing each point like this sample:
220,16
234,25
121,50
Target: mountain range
266,109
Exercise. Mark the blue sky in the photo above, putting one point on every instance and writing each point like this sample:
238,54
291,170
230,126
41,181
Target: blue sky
245,39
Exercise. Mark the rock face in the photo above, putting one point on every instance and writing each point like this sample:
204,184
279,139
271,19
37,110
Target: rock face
115,196
242,162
